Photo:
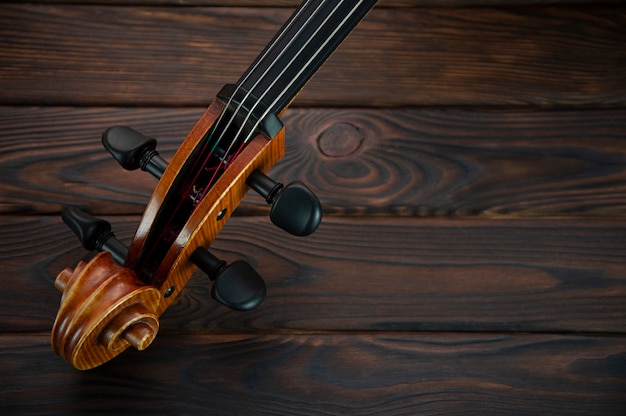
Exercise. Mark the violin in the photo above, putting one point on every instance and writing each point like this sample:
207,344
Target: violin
114,301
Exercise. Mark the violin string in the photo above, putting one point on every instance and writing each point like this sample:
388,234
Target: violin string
304,67
238,87
264,74
293,79
272,64
268,50
277,100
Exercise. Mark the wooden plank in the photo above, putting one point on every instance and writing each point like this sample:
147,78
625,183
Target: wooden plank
392,162
61,54
295,3
347,374
366,274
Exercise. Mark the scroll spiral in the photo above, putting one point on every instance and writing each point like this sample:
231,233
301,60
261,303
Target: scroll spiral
104,309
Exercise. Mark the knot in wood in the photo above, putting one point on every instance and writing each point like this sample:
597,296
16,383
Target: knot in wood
340,140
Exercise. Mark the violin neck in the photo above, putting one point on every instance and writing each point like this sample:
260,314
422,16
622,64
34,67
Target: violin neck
297,51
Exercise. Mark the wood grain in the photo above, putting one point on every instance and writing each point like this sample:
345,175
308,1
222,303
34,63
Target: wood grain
472,166
367,274
339,374
104,309
61,54
417,162
295,3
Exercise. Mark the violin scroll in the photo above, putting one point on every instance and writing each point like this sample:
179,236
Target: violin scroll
107,307
104,309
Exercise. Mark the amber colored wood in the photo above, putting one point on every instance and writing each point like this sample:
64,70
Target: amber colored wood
104,310
390,373
212,213
423,162
534,55
202,227
164,186
99,316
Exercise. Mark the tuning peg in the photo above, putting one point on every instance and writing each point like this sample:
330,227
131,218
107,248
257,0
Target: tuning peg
133,150
94,233
237,285
295,208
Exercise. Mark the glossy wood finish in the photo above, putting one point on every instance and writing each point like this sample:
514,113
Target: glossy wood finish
104,310
213,212
203,226
472,254
164,186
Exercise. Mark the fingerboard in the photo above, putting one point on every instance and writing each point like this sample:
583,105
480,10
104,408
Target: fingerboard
251,107
297,51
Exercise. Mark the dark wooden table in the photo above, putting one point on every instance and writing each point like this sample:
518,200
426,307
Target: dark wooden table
471,159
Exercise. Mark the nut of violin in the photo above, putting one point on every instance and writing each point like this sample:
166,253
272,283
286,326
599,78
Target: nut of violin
104,309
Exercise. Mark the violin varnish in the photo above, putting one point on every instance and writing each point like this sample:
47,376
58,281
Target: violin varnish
104,309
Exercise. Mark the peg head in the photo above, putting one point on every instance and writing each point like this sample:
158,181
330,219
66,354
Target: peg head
94,233
133,150
91,231
239,287
296,210
127,145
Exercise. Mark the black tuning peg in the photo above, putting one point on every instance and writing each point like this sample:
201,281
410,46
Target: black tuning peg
237,285
295,208
94,233
133,150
